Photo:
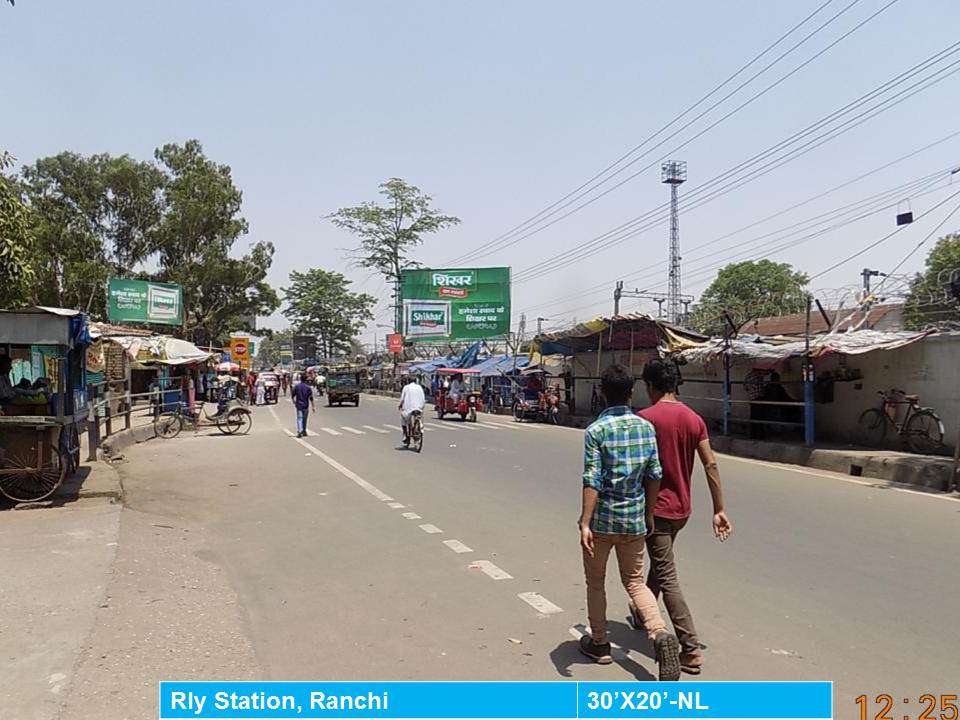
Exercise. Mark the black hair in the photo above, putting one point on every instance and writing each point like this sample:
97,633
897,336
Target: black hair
661,375
616,383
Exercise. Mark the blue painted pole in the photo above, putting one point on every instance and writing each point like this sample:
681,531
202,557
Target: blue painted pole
808,406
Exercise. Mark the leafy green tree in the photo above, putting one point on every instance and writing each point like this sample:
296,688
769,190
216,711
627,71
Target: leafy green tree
388,232
16,241
200,225
932,301
749,290
95,217
269,352
319,302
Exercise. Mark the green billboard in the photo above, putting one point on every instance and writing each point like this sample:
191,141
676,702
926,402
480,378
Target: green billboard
140,301
455,304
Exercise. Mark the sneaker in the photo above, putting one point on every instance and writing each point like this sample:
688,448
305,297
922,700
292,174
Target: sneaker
668,656
599,652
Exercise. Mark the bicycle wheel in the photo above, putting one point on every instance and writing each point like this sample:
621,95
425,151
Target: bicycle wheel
22,483
168,425
872,428
418,435
924,432
517,412
238,422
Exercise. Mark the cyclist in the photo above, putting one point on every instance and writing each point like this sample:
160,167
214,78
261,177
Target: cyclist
411,400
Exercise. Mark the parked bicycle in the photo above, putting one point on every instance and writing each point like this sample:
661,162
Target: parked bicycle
234,420
921,429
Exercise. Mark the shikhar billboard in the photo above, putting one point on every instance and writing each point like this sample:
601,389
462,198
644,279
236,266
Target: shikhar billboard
456,304
140,301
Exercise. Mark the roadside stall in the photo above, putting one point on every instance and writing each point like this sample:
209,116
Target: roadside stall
43,402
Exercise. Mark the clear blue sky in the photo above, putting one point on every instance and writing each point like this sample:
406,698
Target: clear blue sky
495,109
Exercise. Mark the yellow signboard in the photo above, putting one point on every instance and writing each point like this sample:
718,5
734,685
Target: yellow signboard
240,351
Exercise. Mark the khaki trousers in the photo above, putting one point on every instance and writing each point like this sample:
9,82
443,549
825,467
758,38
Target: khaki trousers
629,549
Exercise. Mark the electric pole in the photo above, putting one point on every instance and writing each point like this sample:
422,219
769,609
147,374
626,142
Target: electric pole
674,174
866,274
617,294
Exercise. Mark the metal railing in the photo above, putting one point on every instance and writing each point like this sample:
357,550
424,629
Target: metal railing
111,402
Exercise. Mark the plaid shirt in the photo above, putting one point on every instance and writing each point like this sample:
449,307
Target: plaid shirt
620,452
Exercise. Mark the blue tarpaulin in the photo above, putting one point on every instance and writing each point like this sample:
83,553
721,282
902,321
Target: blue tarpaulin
499,364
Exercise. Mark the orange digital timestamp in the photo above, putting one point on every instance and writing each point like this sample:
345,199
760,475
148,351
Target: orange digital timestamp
926,707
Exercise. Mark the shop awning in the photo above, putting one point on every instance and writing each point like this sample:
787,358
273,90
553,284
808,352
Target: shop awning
622,332
771,351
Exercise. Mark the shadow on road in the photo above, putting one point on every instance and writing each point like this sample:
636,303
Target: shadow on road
567,654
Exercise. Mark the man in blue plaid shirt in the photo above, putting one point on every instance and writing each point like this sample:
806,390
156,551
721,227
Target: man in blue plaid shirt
621,479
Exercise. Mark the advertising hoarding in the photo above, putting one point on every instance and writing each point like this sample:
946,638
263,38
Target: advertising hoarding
456,303
240,351
144,302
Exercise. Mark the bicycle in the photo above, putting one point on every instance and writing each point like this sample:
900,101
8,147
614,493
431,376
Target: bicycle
597,402
415,435
921,429
234,420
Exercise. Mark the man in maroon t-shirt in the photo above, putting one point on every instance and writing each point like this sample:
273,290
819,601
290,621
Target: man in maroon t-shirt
681,434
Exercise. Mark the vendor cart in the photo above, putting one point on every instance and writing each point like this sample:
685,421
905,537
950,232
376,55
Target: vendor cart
40,424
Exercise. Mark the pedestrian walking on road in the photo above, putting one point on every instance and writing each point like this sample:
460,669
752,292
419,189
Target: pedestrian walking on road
621,479
681,434
303,402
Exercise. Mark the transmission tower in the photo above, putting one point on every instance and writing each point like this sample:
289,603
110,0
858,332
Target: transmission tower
674,173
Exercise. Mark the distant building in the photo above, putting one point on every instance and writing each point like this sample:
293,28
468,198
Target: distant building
886,318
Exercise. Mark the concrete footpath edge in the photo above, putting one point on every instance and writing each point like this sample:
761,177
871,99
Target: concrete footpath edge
933,473
116,444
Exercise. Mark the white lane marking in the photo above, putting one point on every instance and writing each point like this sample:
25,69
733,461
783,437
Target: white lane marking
490,426
457,546
490,570
441,427
331,431
375,429
274,413
878,483
412,516
395,505
352,430
394,427
539,603
346,472
468,426
430,529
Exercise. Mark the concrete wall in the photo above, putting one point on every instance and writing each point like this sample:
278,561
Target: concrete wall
929,368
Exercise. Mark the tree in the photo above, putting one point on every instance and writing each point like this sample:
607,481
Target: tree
95,217
319,303
269,352
200,225
934,297
749,290
16,241
390,231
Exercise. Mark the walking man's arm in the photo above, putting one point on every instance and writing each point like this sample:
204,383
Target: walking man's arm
722,527
592,465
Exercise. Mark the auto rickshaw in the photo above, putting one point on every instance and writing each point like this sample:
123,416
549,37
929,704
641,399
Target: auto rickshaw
468,402
343,385
539,400
271,387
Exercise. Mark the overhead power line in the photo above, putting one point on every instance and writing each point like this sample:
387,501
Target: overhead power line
531,220
709,190
532,231
606,283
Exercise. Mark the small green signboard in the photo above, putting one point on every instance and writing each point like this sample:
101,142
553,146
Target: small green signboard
456,304
141,301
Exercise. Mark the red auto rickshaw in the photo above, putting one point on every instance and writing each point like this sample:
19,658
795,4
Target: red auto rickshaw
463,399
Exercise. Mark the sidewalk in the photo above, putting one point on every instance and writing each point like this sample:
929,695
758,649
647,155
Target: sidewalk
932,472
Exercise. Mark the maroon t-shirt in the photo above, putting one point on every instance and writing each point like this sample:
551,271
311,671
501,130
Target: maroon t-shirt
679,431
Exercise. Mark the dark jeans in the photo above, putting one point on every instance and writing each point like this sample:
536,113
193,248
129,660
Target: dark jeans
663,579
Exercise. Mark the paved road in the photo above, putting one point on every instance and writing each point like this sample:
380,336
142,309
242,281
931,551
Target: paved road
352,558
